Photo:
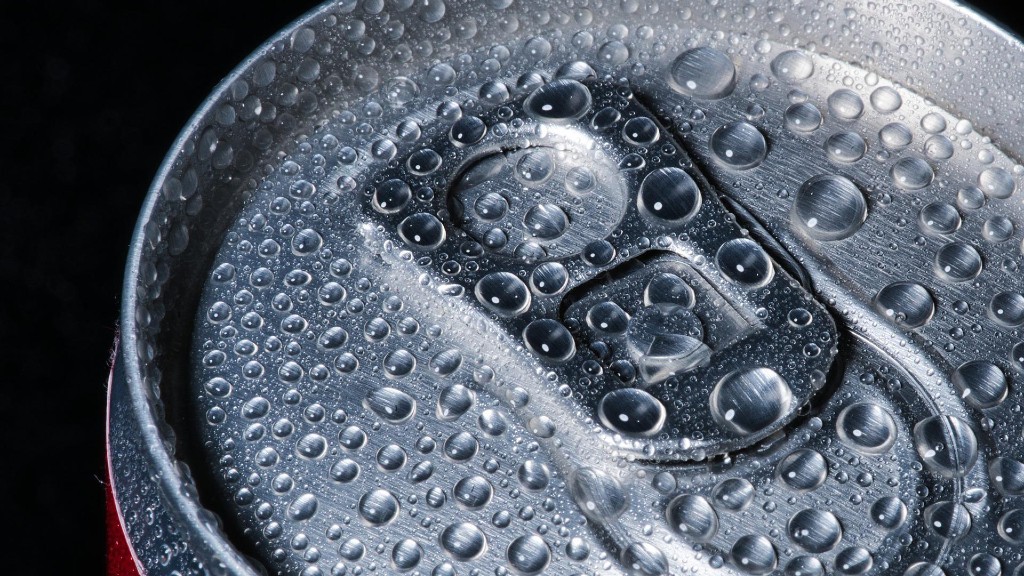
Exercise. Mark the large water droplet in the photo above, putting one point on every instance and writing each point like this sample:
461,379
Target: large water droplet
803,470
733,494
996,183
939,219
473,492
845,147
958,262
704,73
739,146
908,304
528,555
550,340
867,428
599,495
632,411
391,404
669,196
644,559
949,520
792,66
845,105
911,173
1007,309
378,507
748,401
1007,476
815,530
665,343
546,221
803,118
744,261
982,384
559,102
503,293
947,445
693,517
463,541
829,207
754,555
889,512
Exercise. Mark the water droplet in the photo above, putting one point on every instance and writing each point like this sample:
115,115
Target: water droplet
744,261
805,566
668,292
665,341
693,517
473,492
528,554
1011,526
867,428
792,66
704,73
632,411
1007,475
463,541
549,279
908,304
803,470
754,555
303,508
739,145
391,404
886,100
982,384
948,520
845,147
733,494
641,131
889,512
748,401
406,555
947,445
599,495
845,105
643,559
533,475
911,173
422,231
853,561
997,229
454,401
550,340
939,219
814,530
669,196
503,293
546,221
560,101
957,262
378,507
996,183
803,118
607,318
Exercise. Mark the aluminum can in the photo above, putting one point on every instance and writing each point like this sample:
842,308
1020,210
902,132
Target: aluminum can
637,287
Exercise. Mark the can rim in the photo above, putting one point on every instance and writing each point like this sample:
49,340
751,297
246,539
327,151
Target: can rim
162,460
158,456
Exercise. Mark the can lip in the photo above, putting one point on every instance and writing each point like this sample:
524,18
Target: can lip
159,457
163,461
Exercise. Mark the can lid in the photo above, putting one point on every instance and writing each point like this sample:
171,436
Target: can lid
636,299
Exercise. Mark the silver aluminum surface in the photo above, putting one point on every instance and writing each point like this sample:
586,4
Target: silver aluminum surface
626,287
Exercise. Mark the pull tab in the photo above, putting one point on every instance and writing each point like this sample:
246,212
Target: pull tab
672,326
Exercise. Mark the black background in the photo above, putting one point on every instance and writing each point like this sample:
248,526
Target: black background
91,98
